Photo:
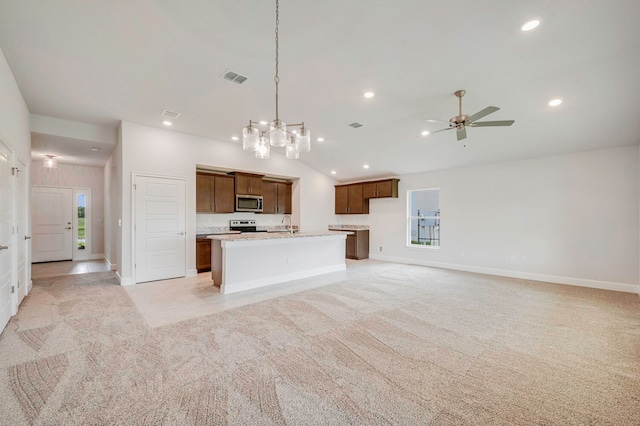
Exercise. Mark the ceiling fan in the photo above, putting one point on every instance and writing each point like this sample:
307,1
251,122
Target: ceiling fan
461,122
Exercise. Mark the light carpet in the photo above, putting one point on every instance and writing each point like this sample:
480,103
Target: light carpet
408,346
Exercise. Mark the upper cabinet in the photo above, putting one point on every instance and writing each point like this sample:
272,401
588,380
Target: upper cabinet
381,189
214,193
349,200
276,197
248,184
354,198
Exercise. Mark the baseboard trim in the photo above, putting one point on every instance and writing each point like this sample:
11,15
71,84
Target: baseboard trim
124,281
580,282
192,272
111,266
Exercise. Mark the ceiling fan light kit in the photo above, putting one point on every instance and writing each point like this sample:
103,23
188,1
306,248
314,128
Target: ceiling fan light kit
461,122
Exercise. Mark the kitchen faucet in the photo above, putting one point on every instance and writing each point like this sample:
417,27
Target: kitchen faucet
290,227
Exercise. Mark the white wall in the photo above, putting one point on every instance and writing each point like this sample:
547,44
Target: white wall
14,115
150,150
574,217
72,176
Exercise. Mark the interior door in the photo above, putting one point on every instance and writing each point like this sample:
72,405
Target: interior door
51,224
21,230
160,223
6,205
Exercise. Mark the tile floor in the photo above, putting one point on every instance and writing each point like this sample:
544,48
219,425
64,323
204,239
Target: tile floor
180,299
54,269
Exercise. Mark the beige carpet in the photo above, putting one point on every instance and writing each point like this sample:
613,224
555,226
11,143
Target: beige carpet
409,346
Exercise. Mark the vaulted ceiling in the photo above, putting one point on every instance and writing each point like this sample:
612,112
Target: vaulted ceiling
102,62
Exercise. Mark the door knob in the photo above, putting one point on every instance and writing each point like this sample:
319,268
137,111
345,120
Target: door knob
68,228
27,238
180,233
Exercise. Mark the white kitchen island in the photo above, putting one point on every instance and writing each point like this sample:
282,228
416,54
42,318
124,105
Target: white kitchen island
245,261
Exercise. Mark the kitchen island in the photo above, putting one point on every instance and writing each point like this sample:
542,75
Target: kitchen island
245,261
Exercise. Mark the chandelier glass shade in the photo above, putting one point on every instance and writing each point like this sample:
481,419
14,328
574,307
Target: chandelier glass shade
292,149
263,149
277,134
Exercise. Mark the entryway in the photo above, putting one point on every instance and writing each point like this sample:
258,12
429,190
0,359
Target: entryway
61,224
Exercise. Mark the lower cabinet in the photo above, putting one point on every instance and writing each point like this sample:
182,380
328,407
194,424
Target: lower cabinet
358,245
203,254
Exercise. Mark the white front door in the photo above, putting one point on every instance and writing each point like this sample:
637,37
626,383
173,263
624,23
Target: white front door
21,230
6,207
160,223
51,224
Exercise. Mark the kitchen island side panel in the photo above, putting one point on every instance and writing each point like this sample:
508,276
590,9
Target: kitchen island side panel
257,263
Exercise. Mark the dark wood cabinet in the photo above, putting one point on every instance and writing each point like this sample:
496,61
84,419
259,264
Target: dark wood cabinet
354,198
349,200
358,245
380,189
203,254
224,199
276,197
214,193
248,184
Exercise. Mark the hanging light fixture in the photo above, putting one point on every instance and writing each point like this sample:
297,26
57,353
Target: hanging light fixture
277,135
50,162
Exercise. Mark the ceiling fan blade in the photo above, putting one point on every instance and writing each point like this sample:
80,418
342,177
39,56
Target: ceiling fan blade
441,130
493,123
461,133
433,120
488,110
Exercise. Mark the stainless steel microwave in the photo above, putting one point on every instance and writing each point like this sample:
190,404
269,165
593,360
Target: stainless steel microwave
249,203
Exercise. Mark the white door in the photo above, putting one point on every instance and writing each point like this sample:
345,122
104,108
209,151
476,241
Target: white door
21,230
6,207
51,224
160,223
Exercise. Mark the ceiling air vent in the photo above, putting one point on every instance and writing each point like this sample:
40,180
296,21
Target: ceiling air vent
170,114
355,125
234,77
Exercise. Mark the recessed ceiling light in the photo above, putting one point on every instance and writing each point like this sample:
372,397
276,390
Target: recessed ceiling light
294,132
234,138
264,123
333,172
167,123
320,139
555,102
424,132
95,149
366,166
530,25
369,94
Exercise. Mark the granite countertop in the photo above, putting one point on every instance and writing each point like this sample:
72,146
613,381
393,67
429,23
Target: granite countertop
273,235
348,227
217,233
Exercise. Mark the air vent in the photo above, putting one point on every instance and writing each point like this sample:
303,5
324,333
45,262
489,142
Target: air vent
170,114
356,125
234,77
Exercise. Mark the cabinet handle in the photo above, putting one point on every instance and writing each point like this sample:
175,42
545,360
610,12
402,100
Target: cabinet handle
4,247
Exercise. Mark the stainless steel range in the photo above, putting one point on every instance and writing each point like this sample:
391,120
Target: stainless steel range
244,226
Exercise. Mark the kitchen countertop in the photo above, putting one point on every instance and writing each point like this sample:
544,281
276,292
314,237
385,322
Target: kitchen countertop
348,227
274,235
216,233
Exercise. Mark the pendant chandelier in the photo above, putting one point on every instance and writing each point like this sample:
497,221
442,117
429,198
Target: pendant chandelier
261,141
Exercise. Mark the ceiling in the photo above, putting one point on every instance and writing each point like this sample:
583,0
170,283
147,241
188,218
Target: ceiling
102,62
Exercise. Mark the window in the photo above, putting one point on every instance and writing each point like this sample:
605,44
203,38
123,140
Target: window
81,240
424,218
